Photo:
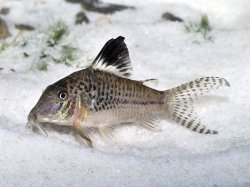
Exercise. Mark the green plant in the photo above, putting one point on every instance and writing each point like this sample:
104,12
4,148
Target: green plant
56,32
42,66
202,28
3,45
68,55
53,50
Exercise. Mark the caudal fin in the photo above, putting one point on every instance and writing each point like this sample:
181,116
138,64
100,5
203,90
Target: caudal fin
179,102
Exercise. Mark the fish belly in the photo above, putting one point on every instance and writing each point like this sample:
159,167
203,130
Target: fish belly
117,100
121,115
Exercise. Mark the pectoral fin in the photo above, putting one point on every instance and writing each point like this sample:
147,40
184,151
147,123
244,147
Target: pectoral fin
80,114
84,134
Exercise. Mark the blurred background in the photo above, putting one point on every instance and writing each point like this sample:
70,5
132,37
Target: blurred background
175,41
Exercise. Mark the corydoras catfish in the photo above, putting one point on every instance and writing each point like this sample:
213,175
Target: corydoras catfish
102,97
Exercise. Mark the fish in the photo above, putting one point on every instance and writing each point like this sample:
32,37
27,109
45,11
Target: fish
103,97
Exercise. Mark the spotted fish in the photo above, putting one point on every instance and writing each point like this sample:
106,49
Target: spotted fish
103,96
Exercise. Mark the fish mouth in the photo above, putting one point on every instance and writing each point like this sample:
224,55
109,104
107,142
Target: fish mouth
34,124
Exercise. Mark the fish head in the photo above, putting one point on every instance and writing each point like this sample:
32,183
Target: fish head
56,105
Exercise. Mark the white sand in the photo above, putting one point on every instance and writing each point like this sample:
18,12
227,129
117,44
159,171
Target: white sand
158,49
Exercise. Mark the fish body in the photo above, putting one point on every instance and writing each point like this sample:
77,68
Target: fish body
102,97
111,99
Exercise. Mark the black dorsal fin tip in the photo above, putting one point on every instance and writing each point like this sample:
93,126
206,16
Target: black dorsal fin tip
114,58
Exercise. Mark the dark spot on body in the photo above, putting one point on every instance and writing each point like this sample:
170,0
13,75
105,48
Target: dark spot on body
183,122
189,125
80,87
202,130
195,128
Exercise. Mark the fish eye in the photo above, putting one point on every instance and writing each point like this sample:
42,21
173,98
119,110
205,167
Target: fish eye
63,95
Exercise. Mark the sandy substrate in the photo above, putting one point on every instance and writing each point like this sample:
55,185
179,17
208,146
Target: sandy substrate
158,49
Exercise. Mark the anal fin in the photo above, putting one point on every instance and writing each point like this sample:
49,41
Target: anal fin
149,123
151,127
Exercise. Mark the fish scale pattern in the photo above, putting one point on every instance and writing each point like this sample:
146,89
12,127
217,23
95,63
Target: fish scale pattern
105,91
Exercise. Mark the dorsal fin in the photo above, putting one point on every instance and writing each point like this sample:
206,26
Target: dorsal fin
114,58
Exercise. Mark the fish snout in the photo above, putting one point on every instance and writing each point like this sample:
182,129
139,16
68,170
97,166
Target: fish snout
34,124
32,120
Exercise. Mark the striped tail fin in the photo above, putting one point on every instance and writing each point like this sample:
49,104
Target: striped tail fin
179,102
